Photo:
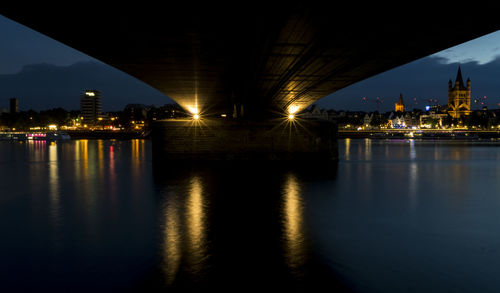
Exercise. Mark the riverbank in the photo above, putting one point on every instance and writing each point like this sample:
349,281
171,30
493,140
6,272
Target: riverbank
101,134
424,134
75,134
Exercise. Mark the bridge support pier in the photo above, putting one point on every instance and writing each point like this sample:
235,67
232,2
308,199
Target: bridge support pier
231,139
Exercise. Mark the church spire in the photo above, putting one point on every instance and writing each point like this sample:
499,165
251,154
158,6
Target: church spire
459,78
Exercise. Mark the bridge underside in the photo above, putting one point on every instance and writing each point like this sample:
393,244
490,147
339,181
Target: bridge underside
250,60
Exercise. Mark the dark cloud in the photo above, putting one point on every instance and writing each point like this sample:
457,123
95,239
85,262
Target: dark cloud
43,86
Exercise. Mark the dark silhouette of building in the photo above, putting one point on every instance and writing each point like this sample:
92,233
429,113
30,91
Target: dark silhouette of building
90,106
459,97
135,112
14,105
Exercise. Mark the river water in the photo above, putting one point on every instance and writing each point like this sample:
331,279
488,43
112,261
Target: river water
391,216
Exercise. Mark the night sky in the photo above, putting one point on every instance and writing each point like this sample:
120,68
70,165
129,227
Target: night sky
45,74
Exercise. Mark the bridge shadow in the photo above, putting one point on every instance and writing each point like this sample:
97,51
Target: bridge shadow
237,226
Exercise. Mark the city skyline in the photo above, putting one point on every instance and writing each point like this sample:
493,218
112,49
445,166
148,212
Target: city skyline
285,163
44,73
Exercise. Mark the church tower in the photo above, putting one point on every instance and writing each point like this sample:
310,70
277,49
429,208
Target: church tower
400,105
459,97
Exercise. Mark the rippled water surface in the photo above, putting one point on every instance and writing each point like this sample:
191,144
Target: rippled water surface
391,216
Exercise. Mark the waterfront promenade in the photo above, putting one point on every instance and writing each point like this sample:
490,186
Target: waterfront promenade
421,133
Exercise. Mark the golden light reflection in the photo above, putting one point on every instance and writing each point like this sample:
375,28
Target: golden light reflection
54,184
143,149
347,149
368,149
100,158
84,147
185,239
77,160
172,243
112,174
82,166
135,157
85,156
137,150
293,225
195,221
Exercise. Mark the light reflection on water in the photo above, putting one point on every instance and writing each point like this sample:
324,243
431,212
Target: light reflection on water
293,224
399,215
54,184
347,149
427,222
172,240
196,225
220,231
185,229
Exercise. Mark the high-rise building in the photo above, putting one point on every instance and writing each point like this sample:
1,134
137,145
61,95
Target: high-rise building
400,105
14,105
459,97
90,106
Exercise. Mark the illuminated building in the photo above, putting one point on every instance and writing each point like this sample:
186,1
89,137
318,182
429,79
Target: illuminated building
14,105
397,120
459,97
90,106
400,105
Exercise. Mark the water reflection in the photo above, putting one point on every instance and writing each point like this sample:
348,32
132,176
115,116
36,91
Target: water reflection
112,175
54,184
76,158
413,152
100,158
172,242
413,184
185,226
368,149
293,219
196,222
137,156
81,164
430,224
84,155
347,149
229,225
36,150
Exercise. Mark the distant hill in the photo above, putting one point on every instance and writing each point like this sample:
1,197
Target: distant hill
44,86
